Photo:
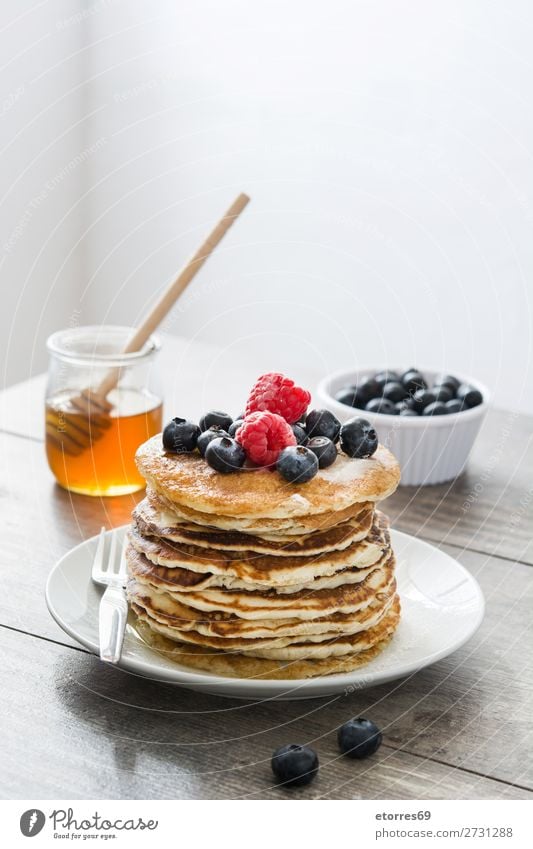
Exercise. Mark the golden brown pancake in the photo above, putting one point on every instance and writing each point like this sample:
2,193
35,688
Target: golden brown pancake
250,576
152,521
265,571
179,617
233,665
217,604
275,529
187,480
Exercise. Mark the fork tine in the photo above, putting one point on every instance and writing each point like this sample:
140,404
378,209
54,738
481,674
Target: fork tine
99,555
111,569
122,570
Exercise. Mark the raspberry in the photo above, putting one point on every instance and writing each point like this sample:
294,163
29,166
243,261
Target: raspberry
263,435
278,394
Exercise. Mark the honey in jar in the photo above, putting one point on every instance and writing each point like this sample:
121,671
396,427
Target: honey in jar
91,448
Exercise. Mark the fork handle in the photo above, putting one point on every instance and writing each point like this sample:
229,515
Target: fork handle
112,623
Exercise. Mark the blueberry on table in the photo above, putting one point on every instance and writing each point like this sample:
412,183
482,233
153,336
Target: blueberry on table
225,455
454,406
325,450
322,423
384,377
215,417
358,438
300,434
208,435
294,765
380,405
234,427
412,381
469,396
443,393
297,464
359,738
394,391
180,436
421,399
437,408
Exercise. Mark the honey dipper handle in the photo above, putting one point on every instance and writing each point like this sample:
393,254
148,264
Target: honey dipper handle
176,288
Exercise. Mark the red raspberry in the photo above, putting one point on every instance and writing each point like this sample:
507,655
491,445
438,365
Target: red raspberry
278,394
263,435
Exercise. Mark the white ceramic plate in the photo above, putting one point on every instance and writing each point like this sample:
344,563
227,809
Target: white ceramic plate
442,606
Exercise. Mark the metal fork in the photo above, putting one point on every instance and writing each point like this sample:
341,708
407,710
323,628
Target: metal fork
110,571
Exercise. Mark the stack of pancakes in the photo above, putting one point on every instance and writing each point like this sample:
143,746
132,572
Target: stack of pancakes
249,576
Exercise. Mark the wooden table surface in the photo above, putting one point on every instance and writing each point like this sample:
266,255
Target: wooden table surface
76,728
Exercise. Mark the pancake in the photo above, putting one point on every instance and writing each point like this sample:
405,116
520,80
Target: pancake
260,571
187,480
184,580
267,528
278,634
178,617
151,519
216,604
226,664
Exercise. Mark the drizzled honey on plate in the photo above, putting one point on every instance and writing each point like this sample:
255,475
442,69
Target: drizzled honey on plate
97,458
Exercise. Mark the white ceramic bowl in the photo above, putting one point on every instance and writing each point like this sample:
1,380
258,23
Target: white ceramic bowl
430,449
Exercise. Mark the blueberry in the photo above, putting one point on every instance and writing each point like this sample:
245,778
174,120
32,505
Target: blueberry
421,399
297,464
215,417
394,391
240,417
234,427
324,449
436,408
295,765
469,396
322,423
401,406
180,436
225,455
448,380
358,438
369,388
407,411
413,380
380,405
300,434
359,738
349,396
454,406
384,377
443,393
213,432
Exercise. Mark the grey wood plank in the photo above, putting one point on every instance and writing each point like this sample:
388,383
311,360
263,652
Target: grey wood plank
489,507
99,733
452,712
40,522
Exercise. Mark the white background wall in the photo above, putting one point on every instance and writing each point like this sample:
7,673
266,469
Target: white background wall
387,149
42,118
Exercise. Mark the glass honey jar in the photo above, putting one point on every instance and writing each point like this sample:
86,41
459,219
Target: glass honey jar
100,405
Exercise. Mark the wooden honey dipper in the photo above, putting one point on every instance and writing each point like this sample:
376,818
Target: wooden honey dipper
92,404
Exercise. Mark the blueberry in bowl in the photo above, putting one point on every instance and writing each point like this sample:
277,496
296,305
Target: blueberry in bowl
429,419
